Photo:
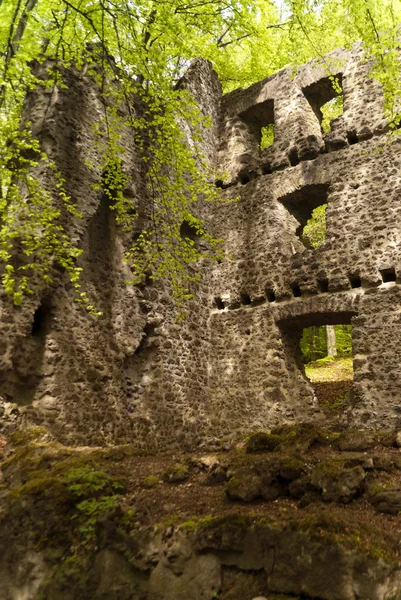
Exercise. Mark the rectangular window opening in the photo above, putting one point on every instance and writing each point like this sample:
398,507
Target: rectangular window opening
323,286
308,206
259,119
267,136
318,349
388,275
326,99
218,302
296,290
245,300
270,295
355,281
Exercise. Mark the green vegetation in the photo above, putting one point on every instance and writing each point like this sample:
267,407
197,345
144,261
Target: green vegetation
331,110
314,232
330,369
175,474
81,507
142,50
150,481
267,136
314,342
80,489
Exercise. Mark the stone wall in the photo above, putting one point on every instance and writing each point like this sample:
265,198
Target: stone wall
271,285
233,365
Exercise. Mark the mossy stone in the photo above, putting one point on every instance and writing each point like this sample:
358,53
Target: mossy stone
176,474
262,442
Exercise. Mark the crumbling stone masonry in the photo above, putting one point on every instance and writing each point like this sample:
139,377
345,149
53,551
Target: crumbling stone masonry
233,366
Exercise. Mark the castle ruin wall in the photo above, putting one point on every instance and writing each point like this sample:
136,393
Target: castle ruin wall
135,375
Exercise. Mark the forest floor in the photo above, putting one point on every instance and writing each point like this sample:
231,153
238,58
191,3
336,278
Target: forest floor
332,379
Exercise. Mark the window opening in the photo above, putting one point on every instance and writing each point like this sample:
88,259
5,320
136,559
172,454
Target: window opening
319,346
327,359
323,286
267,136
245,299
266,169
352,137
270,295
293,157
37,323
331,110
40,320
219,303
355,281
296,290
259,119
326,100
388,275
308,205
244,178
188,231
314,232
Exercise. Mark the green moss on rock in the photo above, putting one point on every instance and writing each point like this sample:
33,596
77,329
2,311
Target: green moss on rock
263,442
176,474
150,481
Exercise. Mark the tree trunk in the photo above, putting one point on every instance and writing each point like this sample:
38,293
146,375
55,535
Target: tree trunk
331,340
314,343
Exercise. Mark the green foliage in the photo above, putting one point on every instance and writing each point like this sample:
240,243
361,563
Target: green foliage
175,474
74,487
314,342
142,49
314,232
90,513
30,222
150,481
85,481
162,40
267,136
344,339
331,110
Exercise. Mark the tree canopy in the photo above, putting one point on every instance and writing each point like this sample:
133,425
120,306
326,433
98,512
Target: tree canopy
151,43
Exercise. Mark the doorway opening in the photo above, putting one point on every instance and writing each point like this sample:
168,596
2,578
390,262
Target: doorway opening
318,350
328,363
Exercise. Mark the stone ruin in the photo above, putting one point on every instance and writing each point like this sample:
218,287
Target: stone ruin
233,366
88,508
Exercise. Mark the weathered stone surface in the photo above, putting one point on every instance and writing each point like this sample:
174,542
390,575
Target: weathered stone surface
387,501
336,482
75,524
234,365
245,487
291,468
262,442
176,473
355,441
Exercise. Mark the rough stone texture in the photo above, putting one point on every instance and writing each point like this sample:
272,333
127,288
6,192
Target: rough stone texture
234,365
178,566
271,285
79,523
